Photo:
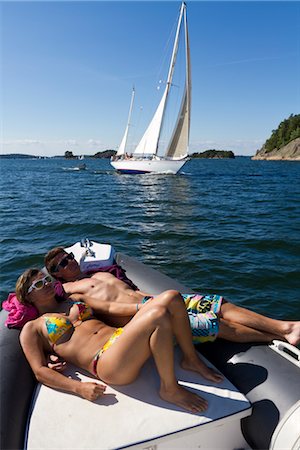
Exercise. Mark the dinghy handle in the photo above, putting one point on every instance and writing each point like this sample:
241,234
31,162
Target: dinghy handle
286,350
87,244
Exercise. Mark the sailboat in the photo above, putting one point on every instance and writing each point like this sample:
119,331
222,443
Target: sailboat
146,157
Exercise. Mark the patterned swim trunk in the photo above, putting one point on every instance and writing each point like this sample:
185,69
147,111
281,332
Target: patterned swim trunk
202,311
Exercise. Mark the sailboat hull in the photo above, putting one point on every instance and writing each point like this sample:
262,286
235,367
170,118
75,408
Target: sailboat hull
131,166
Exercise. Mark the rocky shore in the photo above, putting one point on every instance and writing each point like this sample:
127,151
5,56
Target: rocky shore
289,152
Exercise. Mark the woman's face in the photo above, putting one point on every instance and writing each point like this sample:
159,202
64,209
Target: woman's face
41,288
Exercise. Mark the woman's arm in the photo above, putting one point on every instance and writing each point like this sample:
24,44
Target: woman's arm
32,344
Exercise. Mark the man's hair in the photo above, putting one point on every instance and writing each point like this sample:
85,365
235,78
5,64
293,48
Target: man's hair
23,284
50,257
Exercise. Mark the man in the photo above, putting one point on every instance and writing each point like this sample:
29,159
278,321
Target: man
118,303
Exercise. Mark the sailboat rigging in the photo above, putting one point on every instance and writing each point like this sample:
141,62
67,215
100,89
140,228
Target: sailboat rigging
145,157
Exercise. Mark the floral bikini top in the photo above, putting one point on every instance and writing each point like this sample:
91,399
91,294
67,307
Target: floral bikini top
57,326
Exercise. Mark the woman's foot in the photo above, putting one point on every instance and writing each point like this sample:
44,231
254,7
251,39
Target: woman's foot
185,399
196,365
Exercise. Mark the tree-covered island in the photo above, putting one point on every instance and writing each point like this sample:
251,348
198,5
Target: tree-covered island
214,154
284,142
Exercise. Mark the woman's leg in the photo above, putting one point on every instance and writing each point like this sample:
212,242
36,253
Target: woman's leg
174,303
287,330
236,332
148,333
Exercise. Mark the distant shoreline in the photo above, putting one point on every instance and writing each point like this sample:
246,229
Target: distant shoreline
28,157
208,154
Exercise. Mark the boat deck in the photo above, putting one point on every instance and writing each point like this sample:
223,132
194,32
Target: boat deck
134,416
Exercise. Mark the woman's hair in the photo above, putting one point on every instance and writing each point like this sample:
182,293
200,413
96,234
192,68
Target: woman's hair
23,284
50,257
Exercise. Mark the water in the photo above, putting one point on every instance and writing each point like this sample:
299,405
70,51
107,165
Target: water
222,226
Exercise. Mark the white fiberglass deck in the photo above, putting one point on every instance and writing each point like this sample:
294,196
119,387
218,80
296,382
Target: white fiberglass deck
135,416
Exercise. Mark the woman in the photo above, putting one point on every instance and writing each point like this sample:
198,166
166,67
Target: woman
113,355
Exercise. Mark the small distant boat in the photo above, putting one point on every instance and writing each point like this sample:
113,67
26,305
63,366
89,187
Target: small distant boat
76,168
146,156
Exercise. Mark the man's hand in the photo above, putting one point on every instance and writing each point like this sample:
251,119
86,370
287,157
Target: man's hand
56,363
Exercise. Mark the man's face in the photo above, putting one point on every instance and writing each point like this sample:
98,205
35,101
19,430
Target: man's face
65,267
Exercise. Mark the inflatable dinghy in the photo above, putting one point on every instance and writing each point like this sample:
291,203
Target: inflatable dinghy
257,406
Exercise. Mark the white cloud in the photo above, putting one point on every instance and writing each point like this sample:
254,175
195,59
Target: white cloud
22,142
52,147
94,142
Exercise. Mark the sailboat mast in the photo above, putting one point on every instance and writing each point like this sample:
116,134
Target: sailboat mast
175,47
188,71
172,66
122,146
131,106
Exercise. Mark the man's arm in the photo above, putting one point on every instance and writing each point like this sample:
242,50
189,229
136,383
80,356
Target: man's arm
108,308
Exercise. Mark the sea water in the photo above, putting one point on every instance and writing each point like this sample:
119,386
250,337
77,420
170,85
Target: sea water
220,226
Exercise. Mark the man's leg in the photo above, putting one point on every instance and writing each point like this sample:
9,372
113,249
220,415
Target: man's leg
235,332
281,329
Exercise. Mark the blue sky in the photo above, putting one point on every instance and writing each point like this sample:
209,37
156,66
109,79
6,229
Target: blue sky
67,69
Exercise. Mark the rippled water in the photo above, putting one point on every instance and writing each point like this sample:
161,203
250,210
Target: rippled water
221,226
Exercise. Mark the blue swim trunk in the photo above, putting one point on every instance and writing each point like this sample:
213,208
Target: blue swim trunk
202,311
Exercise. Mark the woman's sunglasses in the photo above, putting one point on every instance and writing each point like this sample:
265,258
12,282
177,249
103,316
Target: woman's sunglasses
39,284
63,263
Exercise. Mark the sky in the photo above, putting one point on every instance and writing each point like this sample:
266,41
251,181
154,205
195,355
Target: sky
68,67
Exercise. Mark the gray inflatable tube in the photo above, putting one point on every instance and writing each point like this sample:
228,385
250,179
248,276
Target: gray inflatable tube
269,376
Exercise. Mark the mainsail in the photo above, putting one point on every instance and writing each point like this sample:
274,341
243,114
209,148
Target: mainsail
179,142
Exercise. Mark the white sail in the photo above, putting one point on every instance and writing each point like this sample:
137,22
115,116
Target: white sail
149,142
178,145
179,142
122,146
121,149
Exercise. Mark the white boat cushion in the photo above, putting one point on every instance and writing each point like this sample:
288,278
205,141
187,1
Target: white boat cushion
128,415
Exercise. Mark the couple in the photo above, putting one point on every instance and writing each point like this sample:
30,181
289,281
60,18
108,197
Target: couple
116,355
117,303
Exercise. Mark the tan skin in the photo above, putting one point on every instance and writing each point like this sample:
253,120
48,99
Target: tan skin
149,333
117,303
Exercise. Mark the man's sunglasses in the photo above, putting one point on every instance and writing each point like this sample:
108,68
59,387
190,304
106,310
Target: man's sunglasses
39,284
63,263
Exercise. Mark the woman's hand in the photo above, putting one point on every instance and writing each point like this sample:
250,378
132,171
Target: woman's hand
91,391
54,362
